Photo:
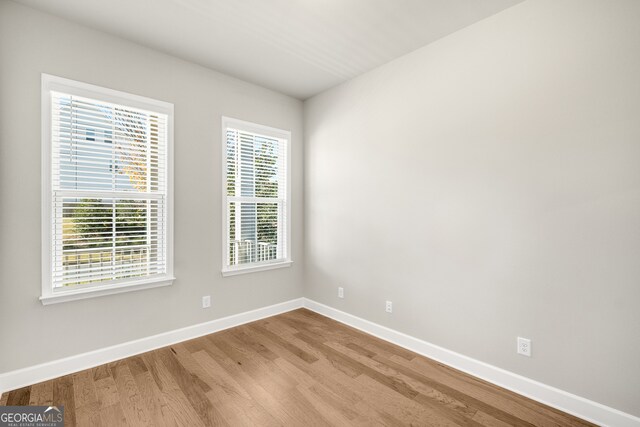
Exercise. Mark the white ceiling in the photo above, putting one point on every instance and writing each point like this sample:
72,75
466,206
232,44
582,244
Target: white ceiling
298,47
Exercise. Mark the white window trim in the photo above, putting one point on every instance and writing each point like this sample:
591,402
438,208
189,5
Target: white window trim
72,87
266,131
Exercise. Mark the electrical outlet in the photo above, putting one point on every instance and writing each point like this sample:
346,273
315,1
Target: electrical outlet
389,307
340,292
206,301
524,346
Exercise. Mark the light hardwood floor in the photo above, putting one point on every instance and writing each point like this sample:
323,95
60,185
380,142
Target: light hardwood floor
294,369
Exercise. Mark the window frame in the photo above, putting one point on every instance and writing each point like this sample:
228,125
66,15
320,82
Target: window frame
51,295
229,270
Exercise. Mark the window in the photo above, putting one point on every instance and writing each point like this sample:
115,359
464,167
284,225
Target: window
255,197
107,213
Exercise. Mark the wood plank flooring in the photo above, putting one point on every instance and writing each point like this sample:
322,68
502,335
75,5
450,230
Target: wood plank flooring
294,369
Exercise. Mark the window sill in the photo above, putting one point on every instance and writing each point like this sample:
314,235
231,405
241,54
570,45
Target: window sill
98,291
253,268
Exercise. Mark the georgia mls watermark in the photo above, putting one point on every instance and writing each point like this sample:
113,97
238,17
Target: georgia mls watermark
31,416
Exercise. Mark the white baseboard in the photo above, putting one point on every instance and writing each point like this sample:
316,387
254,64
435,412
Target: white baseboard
46,371
551,396
567,402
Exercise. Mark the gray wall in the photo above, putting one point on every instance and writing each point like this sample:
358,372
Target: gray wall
489,185
32,43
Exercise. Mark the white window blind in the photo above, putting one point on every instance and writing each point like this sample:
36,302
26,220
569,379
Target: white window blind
109,192
256,195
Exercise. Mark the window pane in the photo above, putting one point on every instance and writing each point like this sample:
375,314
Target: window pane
255,165
108,239
106,147
254,232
